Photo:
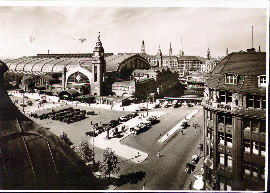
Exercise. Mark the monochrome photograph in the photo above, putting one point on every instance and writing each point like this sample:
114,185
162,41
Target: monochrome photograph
133,97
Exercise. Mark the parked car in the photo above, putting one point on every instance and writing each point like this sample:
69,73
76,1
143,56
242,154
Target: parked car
90,112
23,105
143,109
195,159
30,103
189,105
123,119
157,106
91,133
189,167
177,105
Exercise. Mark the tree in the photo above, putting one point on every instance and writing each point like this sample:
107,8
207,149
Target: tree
109,162
65,138
85,152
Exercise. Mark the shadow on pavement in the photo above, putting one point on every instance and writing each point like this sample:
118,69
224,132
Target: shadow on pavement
132,178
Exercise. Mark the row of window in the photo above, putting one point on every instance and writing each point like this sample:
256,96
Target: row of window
120,88
233,79
254,126
251,125
224,119
253,171
225,183
254,147
225,139
254,101
224,160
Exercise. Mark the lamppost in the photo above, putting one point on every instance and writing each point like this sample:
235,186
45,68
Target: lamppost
94,127
147,97
23,100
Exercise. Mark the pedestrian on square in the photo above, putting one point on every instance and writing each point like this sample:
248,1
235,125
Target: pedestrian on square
158,154
182,132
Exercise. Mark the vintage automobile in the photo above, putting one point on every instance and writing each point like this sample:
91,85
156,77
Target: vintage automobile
190,167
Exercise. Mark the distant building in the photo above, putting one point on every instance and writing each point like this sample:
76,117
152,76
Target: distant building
96,71
209,65
189,63
34,158
235,123
175,63
158,81
195,85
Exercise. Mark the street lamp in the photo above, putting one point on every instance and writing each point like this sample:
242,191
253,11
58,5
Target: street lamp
147,96
94,127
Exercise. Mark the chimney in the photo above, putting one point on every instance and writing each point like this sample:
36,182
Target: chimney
48,52
259,49
227,51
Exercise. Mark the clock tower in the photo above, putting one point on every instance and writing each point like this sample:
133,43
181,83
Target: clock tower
98,69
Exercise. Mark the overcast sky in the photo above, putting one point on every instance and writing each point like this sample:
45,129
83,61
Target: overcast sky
26,31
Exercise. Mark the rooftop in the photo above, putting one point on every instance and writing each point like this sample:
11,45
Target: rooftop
246,65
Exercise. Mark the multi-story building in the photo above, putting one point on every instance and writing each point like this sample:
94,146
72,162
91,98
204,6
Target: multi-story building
159,82
175,63
189,63
195,84
235,123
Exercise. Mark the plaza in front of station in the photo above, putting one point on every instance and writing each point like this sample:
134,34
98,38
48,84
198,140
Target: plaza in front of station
164,172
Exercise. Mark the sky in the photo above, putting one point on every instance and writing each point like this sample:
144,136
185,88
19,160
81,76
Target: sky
26,30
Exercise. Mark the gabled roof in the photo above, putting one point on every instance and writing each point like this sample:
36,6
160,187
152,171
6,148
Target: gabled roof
169,57
242,63
246,65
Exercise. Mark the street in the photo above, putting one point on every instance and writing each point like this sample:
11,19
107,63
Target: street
161,173
165,172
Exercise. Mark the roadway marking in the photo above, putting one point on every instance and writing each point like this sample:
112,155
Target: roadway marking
177,127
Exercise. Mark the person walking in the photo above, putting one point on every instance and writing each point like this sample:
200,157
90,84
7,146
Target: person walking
158,154
182,132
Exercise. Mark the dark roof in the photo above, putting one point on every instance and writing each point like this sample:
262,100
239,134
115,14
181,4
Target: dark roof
247,65
113,61
169,57
147,56
188,58
242,63
32,157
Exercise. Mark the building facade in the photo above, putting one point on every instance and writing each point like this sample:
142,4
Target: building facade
178,63
97,71
235,123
